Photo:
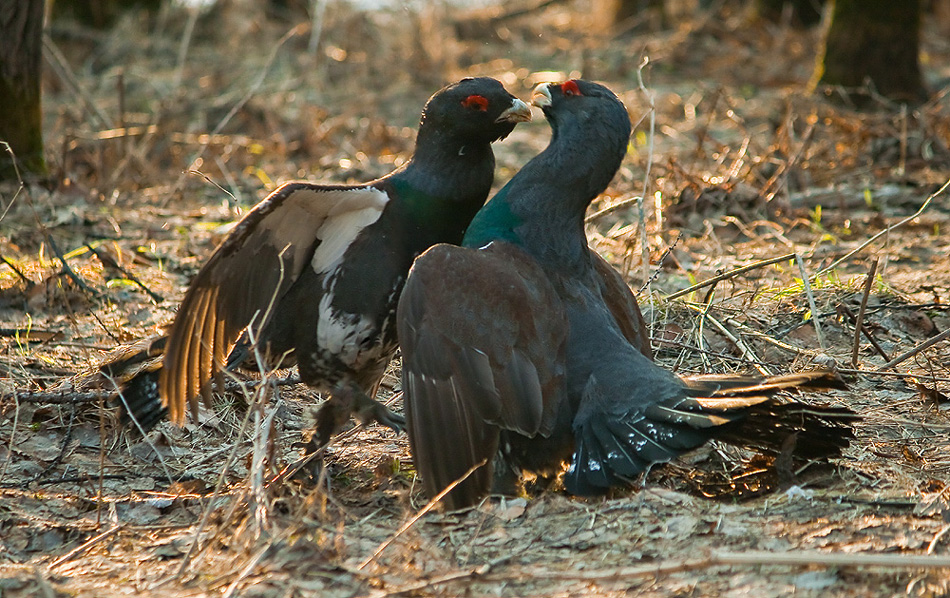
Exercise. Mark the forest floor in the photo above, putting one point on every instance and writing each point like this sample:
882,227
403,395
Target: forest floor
165,128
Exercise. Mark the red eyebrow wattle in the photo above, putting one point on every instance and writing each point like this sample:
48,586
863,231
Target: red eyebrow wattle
570,88
476,102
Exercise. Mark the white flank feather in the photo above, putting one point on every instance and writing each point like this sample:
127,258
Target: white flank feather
340,333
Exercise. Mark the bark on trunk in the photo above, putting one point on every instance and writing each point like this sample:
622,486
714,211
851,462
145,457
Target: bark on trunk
876,41
803,13
651,13
21,30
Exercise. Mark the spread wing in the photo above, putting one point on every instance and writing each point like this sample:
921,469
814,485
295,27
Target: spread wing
623,305
482,334
297,225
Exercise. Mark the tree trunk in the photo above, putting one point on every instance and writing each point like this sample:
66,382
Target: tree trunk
21,46
99,14
876,41
803,13
651,13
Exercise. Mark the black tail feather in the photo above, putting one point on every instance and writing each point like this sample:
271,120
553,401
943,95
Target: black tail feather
139,400
610,451
588,473
611,446
729,385
821,432
135,369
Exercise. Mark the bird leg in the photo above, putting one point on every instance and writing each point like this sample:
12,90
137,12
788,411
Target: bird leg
346,400
367,410
505,480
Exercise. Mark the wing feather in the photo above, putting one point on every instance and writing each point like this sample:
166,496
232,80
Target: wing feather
296,225
482,334
622,304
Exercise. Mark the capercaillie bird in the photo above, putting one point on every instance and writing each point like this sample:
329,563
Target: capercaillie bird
517,356
315,271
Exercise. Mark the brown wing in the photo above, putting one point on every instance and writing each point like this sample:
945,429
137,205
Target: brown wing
482,334
623,305
296,225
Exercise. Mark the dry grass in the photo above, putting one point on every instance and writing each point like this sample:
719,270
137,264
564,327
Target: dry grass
147,123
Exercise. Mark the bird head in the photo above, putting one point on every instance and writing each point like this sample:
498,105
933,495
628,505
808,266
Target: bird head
578,104
591,128
474,110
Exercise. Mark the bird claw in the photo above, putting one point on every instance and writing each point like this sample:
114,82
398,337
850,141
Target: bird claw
369,410
310,467
343,403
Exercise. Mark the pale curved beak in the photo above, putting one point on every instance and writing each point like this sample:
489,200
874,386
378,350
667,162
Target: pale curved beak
519,112
541,96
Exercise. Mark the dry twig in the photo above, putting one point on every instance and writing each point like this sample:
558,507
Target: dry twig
859,321
85,546
747,353
429,506
29,283
108,261
887,230
644,245
846,311
730,274
69,271
752,558
919,348
811,301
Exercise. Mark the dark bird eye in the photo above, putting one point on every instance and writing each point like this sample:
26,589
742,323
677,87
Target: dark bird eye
570,88
476,102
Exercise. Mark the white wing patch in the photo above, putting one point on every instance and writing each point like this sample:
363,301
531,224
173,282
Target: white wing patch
334,216
356,210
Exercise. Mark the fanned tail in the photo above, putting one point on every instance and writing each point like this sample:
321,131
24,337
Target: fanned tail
135,369
820,431
725,384
613,445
